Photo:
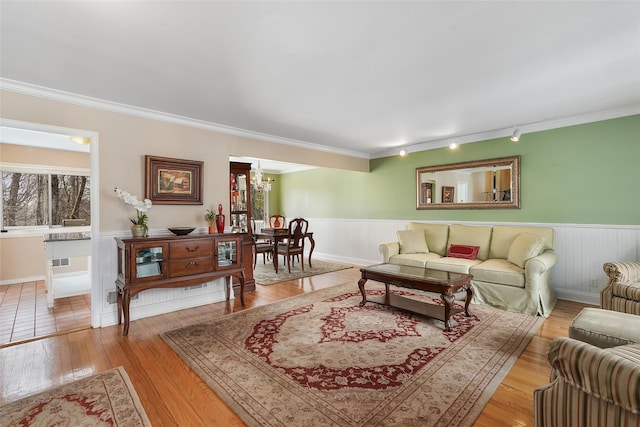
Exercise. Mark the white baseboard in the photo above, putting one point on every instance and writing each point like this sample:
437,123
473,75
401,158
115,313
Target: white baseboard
578,296
21,280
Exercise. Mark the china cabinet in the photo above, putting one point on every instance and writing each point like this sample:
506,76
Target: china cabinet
239,197
180,261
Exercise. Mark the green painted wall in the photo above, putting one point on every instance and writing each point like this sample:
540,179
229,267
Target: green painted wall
585,174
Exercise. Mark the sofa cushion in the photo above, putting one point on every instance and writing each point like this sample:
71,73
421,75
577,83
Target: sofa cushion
413,260
473,235
412,242
499,271
454,265
525,247
436,235
503,236
463,251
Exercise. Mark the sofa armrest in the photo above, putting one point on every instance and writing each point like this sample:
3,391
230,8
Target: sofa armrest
540,264
611,374
622,272
387,250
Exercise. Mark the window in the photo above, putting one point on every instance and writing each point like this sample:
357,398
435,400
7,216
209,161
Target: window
259,205
44,199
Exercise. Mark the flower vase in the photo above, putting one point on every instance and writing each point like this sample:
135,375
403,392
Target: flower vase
220,220
138,230
212,227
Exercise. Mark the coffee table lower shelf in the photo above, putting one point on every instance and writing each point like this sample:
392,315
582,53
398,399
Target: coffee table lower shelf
418,307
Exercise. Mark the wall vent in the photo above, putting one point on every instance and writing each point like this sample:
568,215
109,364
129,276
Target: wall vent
112,298
200,286
61,262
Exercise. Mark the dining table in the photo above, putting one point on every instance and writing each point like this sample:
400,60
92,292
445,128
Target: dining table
276,235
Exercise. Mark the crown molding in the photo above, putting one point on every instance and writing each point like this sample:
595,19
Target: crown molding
506,132
100,104
86,101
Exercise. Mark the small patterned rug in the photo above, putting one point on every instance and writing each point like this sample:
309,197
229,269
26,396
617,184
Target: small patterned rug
264,274
105,399
319,359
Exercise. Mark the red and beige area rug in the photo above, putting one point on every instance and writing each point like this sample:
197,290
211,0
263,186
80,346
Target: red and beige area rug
105,399
264,274
319,359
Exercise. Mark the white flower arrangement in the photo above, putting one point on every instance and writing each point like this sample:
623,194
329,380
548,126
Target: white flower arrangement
141,206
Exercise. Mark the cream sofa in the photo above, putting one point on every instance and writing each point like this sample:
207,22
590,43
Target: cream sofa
512,269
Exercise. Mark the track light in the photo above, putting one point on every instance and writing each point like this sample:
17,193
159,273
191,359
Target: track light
403,152
515,137
453,145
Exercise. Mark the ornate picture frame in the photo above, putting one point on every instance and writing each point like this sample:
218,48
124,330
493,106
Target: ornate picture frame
171,181
447,194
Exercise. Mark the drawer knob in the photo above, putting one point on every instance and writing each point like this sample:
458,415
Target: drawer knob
192,263
192,250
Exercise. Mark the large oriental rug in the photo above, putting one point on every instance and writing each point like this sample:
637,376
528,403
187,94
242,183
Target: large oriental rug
105,399
319,359
264,274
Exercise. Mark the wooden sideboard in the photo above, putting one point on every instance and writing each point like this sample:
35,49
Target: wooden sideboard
179,261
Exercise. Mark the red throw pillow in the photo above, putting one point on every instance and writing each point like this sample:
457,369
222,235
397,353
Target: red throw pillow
463,251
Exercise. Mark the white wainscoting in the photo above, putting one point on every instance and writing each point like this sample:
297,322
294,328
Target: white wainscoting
578,276
582,249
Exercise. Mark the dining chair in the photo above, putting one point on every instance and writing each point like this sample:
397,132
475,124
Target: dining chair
277,221
261,246
294,246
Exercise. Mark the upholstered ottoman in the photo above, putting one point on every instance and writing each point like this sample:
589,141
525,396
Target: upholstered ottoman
605,328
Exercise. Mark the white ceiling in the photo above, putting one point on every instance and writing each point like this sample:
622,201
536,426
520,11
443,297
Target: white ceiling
357,77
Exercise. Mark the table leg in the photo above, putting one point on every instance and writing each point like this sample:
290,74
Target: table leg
313,245
361,283
467,302
275,254
447,298
49,283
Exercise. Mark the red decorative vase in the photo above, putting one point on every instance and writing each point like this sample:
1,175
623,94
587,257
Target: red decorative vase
220,220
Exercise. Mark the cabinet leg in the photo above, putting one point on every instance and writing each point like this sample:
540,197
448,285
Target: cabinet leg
126,299
119,302
242,288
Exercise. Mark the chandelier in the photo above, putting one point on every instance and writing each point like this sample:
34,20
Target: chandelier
258,183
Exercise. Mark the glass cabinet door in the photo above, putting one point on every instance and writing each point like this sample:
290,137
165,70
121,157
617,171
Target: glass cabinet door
240,199
227,253
148,261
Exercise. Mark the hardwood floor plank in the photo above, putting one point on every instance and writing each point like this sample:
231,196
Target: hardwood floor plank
172,394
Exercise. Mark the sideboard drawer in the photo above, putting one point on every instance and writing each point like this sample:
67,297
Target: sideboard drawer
192,248
187,267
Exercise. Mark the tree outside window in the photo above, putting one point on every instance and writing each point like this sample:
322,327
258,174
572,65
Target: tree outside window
32,199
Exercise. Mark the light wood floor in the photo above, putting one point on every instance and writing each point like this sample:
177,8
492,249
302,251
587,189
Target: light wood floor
173,395
24,314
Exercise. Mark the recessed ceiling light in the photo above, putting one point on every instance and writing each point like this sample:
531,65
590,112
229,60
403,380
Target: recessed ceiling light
82,140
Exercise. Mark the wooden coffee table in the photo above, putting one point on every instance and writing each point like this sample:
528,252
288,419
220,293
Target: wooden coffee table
425,279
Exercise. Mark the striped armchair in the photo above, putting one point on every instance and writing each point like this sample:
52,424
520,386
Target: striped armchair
590,386
622,293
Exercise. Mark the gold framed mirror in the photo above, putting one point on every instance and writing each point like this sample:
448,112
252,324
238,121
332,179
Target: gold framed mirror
480,184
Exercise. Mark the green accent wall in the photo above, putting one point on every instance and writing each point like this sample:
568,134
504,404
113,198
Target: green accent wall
583,174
